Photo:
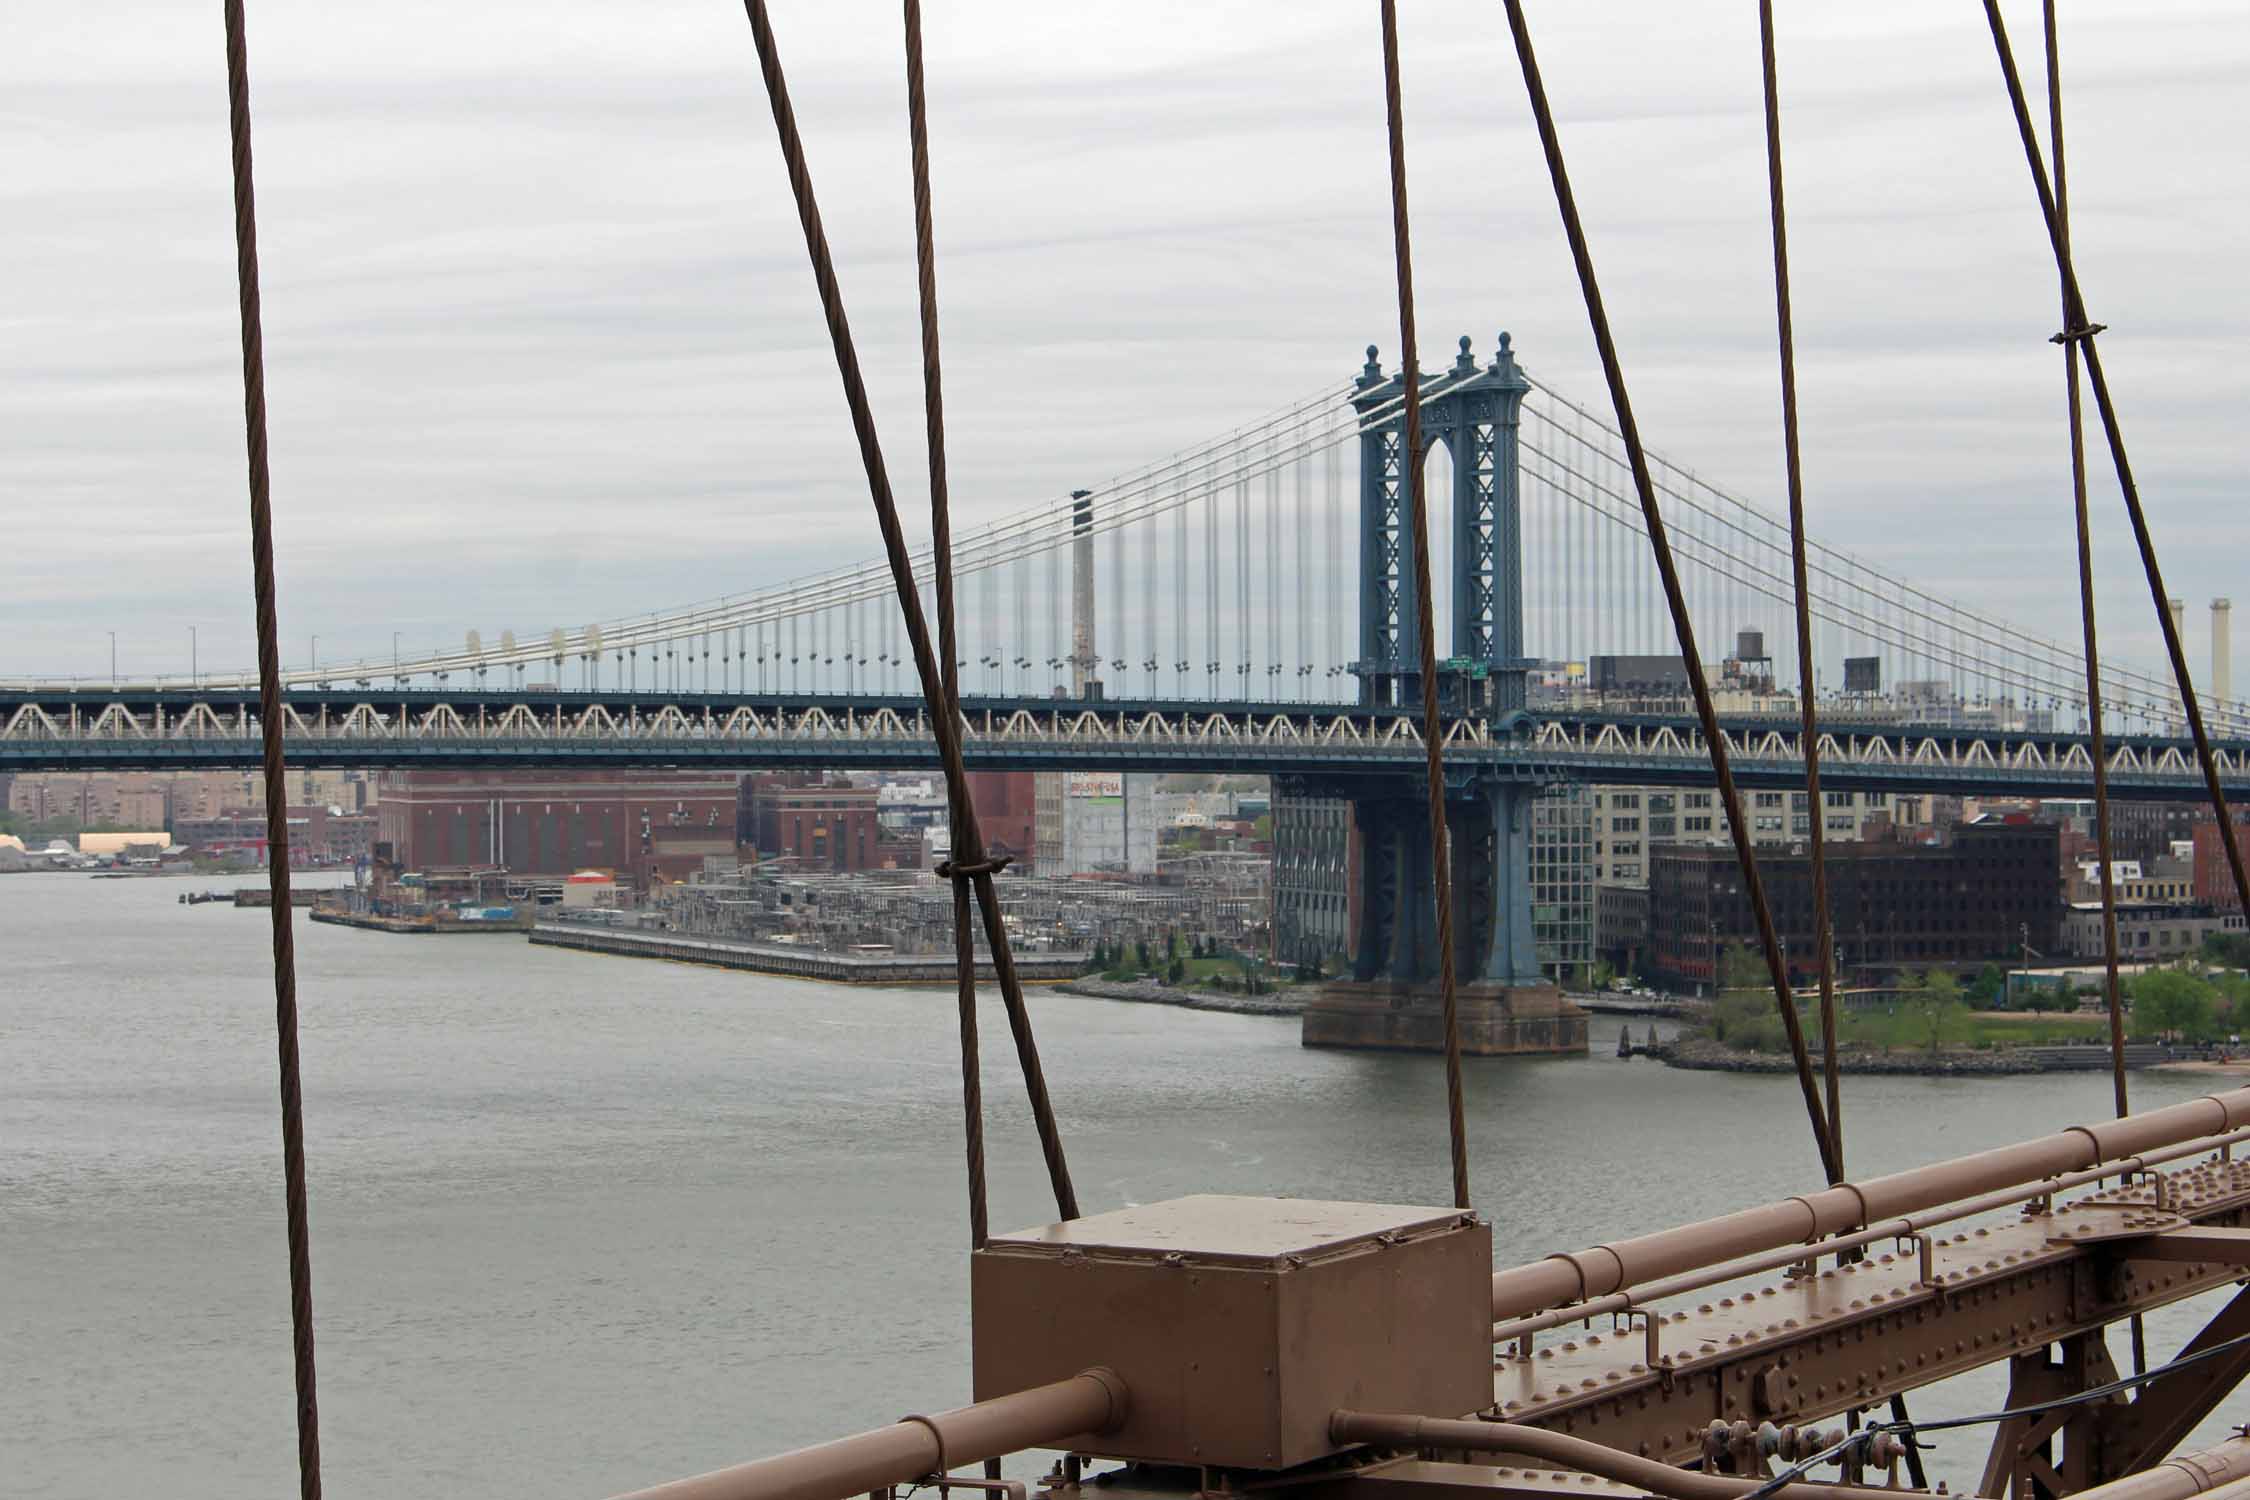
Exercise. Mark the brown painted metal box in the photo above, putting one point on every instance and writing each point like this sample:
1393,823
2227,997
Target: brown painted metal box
1239,1324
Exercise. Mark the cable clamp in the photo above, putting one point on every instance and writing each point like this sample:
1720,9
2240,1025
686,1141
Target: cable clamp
2074,335
968,870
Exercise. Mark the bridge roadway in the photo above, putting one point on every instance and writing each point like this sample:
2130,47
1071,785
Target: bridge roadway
174,728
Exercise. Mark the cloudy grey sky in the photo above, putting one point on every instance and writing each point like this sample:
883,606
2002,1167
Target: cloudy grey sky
542,347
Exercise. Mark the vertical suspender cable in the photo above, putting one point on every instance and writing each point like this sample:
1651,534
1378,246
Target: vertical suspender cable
1433,727
1211,587
941,568
1614,373
1301,527
2112,990
2078,329
1808,713
269,732
968,840
2095,739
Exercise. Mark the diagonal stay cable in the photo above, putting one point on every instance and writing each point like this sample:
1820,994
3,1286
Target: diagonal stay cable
969,858
1660,545
269,734
1808,708
941,553
1433,732
2078,329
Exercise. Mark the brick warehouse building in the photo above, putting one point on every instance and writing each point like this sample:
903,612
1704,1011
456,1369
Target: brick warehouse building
2214,877
817,821
647,826
1979,896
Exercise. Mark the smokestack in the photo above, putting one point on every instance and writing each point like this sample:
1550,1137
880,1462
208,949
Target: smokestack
2222,651
2179,628
1082,657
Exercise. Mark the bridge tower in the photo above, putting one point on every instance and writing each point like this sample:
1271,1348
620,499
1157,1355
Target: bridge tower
1475,411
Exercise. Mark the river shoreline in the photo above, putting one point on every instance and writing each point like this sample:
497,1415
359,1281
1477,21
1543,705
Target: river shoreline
1148,992
1707,1056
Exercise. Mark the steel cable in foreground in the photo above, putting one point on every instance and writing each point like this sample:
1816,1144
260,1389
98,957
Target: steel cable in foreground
269,732
941,553
1659,543
1801,593
2077,328
1410,495
945,725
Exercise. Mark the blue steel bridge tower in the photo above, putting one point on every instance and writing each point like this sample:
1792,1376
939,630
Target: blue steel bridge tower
1475,411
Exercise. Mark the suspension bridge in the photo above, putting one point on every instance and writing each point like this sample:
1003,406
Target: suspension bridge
1229,608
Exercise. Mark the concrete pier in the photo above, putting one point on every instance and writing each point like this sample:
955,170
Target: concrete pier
1496,1020
796,962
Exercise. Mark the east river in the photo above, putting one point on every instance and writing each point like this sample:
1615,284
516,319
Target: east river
581,1223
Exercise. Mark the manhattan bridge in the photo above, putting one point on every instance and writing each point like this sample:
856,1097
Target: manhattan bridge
1231,608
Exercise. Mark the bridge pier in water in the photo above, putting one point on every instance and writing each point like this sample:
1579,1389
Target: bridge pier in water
1393,1000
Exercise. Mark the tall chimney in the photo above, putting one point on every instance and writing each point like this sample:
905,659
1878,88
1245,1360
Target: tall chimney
2179,629
2222,651
1082,656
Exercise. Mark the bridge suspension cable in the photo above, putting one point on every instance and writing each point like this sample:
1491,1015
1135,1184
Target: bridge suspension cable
298,1227
970,861
1737,826
2079,328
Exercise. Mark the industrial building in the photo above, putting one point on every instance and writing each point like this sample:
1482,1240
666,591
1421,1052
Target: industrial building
1985,893
648,826
1094,822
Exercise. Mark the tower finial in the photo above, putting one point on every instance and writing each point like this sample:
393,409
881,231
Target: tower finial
1504,363
1372,371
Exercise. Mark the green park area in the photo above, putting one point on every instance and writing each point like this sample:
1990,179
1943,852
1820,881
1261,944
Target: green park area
2199,1000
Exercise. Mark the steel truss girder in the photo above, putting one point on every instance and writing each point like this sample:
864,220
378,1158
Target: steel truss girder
1809,1348
173,730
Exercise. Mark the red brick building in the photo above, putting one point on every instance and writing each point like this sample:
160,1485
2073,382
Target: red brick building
817,821
2214,878
1004,813
646,825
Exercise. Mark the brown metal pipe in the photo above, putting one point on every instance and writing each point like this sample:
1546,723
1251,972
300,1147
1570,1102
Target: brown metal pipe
1091,1401
1649,1292
2223,1473
1399,1431
1608,1268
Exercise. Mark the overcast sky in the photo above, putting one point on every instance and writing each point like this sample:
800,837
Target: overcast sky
543,349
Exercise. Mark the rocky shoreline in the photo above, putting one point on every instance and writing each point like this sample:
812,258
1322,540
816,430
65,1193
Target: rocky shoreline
1717,1058
1149,992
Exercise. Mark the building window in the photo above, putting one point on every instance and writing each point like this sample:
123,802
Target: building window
1625,825
1769,799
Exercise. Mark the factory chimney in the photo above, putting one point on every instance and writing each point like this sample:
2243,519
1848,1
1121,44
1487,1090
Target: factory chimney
2222,651
2179,628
